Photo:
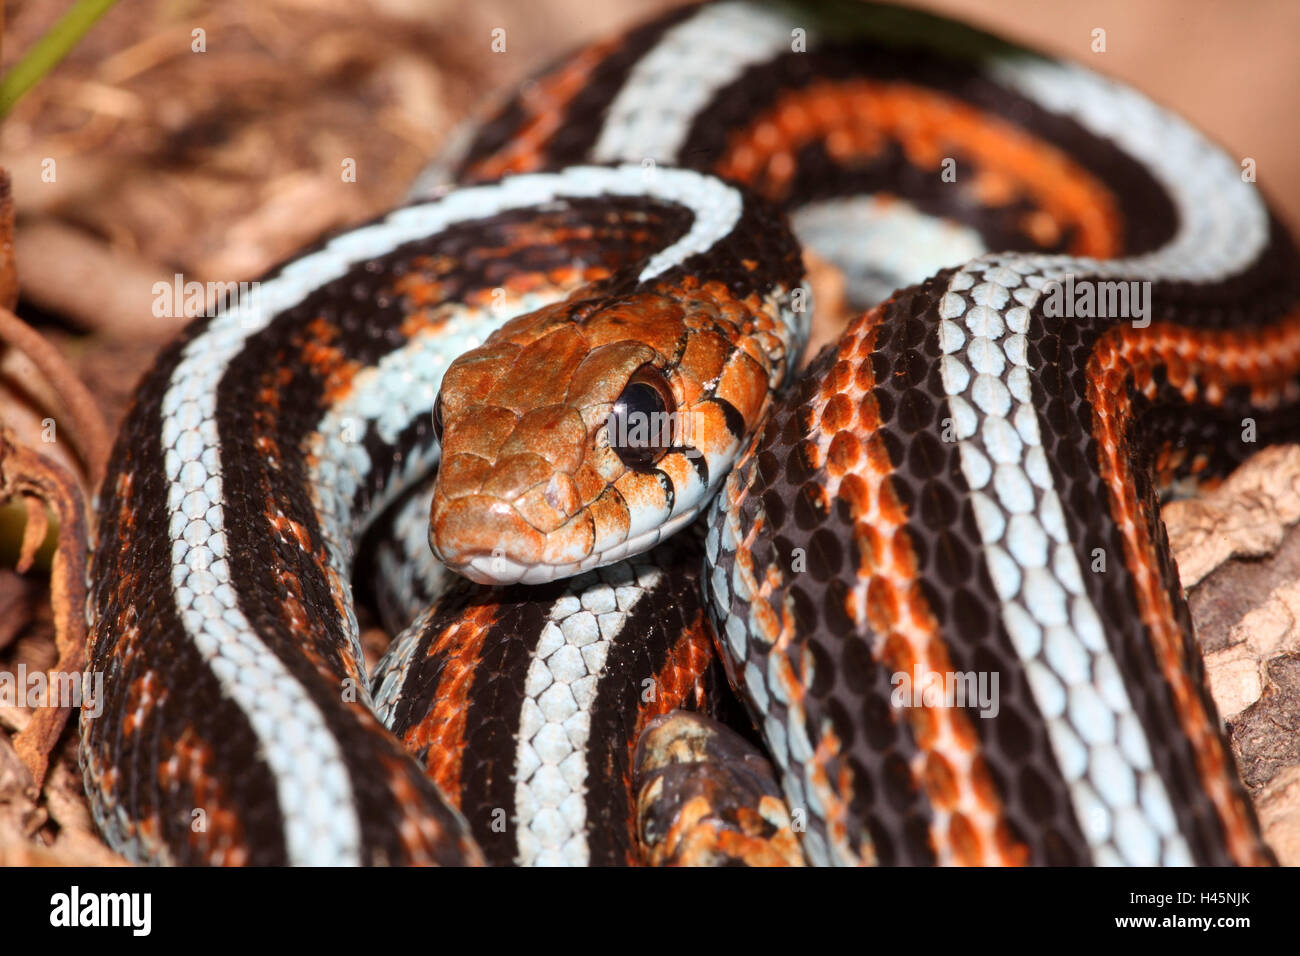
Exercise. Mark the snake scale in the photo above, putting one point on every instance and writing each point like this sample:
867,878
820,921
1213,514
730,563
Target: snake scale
1071,304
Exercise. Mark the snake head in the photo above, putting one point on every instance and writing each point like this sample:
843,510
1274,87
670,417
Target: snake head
593,428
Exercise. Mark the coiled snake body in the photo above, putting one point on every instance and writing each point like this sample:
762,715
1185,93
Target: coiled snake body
1075,302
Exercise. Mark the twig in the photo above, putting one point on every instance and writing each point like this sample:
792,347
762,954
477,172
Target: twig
8,272
90,432
25,474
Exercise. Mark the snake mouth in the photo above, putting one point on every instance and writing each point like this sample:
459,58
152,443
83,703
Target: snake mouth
488,541
497,569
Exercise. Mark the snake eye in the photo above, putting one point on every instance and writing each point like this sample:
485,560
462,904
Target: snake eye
641,422
437,417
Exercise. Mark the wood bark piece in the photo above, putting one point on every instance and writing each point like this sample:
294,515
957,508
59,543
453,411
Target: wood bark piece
1238,553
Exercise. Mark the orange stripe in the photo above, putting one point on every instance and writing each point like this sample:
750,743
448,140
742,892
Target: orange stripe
998,161
679,684
443,729
1202,365
545,106
186,762
969,826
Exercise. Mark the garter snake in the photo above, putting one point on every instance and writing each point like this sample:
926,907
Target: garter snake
966,484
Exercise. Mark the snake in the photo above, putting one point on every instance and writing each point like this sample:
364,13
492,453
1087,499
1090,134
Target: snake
549,420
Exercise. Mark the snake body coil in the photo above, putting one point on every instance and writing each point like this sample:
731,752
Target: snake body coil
1074,302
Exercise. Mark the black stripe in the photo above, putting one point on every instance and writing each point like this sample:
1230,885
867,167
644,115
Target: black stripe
382,547
731,416
1149,217
496,696
487,790
251,484
889,172
954,576
1267,288
1058,355
760,254
661,617
488,773
416,442
585,116
851,690
131,589
666,483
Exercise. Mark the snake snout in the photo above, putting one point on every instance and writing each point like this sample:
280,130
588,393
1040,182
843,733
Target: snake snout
494,541
467,533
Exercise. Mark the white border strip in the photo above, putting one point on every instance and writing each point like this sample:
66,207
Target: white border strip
652,114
